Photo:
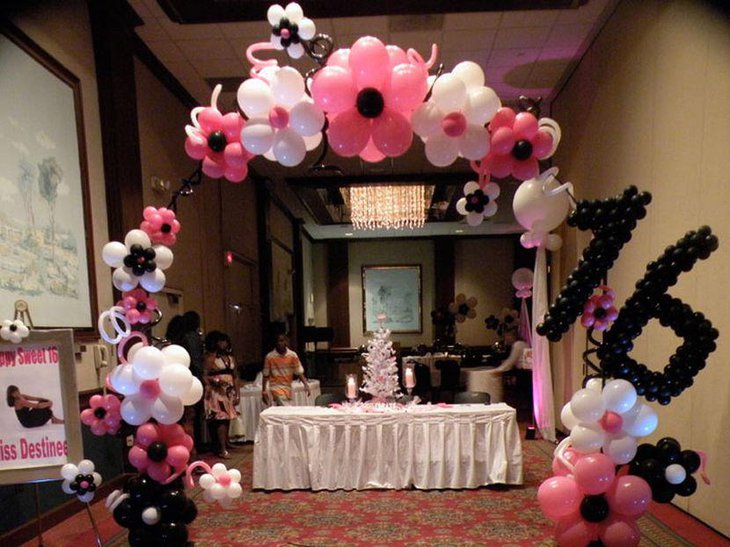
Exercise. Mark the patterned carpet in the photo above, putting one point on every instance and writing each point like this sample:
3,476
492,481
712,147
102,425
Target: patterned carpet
495,516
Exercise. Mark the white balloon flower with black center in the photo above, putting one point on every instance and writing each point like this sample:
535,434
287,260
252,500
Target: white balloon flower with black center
13,331
81,480
289,28
137,262
478,203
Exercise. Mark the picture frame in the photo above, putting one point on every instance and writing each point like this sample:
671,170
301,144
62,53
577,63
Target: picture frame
393,290
41,366
45,218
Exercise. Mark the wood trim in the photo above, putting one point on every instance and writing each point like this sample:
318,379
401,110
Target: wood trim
338,292
298,287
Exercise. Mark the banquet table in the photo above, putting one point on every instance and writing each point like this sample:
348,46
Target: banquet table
427,447
244,427
430,361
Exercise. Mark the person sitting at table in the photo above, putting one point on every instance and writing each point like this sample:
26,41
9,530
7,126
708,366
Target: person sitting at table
280,367
222,391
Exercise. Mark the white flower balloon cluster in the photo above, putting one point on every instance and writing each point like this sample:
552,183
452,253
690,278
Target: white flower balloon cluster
13,331
156,384
137,262
221,485
608,419
80,480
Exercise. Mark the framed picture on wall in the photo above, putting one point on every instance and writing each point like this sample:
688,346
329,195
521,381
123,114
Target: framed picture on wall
40,423
45,225
394,291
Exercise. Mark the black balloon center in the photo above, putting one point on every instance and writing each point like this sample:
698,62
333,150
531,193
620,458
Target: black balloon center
594,508
100,413
599,313
157,451
141,260
522,149
165,228
463,309
141,306
370,103
13,328
217,141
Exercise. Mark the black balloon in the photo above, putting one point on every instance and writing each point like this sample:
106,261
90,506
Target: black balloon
651,462
690,460
687,487
594,508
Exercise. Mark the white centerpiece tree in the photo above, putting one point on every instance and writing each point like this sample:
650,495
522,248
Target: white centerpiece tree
380,370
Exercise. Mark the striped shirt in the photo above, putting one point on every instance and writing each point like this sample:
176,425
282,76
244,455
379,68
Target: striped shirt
280,370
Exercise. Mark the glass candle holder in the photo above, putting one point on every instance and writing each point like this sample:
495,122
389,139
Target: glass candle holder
409,377
351,387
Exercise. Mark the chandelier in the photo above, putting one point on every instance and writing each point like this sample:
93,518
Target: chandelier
375,207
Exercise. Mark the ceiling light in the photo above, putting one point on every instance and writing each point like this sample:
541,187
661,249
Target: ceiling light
348,234
389,207
458,231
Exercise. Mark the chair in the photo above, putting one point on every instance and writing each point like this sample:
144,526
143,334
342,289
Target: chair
490,380
471,398
326,399
450,379
423,381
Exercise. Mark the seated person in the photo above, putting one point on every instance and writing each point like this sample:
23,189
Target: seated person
31,411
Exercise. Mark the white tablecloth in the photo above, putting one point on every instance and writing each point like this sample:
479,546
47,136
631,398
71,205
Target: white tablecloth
244,427
461,446
430,360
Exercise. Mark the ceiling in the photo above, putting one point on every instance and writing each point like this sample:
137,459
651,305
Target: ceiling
524,51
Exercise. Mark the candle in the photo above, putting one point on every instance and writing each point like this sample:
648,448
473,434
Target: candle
351,388
409,380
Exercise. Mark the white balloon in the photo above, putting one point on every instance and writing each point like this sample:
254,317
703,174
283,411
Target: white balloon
219,470
640,421
567,417
207,497
234,490
313,142
217,491
132,351
461,207
148,362
97,478
137,237
470,73
194,394
474,219
254,98
287,86
123,380
257,136
235,475
675,474
306,119
490,210
176,354
442,150
167,409
619,396
537,211
66,487
295,51
276,42
587,405
449,93
113,254
586,438
474,143
522,278
294,12
69,471
307,29
175,380
86,498
481,105
289,149
153,281
135,410
621,449
163,256
86,467
553,242
206,481
151,516
426,120
124,280
274,14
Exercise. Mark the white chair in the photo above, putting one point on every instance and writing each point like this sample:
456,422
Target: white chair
490,380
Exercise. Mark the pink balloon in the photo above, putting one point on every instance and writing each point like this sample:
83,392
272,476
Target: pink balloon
630,495
138,457
348,133
235,155
212,168
525,126
236,174
177,456
617,531
159,471
503,140
333,89
559,468
559,497
504,117
187,442
340,57
575,532
98,428
542,144
133,316
408,87
232,125
196,148
210,119
392,133
172,433
147,434
500,166
369,62
87,417
371,153
396,55
525,169
594,473
112,421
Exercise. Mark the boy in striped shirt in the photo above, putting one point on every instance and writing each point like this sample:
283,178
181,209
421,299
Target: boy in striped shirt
280,367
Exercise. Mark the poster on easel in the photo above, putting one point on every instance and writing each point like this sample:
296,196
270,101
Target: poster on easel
39,418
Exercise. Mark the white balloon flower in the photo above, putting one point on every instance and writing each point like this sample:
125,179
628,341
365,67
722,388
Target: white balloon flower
608,419
13,331
221,485
289,28
284,123
451,123
478,203
156,384
137,262
81,480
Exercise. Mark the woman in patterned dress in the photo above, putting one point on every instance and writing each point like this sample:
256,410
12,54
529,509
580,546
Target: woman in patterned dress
222,391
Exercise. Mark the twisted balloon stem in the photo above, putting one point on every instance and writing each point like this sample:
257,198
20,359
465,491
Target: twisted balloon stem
703,466
480,168
416,58
559,453
260,64
214,97
189,472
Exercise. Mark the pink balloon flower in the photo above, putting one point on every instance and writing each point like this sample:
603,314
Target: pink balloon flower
161,225
103,417
138,306
369,93
161,451
599,311
517,141
216,139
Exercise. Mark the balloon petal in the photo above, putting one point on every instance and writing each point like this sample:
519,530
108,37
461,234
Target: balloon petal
392,133
349,133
